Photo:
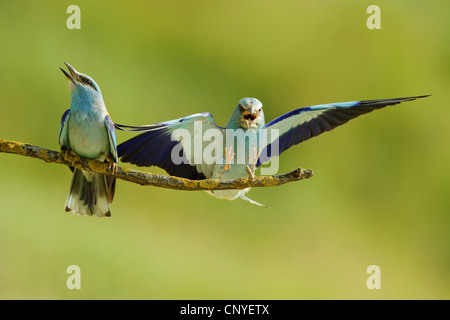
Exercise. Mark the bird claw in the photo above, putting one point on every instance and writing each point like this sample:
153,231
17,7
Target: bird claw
113,167
64,154
228,159
69,156
250,172
253,159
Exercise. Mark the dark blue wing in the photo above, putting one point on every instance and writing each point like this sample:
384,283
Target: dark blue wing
305,123
156,145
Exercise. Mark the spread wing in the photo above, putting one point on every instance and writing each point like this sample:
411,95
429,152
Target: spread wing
175,146
305,123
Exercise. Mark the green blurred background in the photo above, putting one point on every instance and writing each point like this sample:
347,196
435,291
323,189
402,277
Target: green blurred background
380,194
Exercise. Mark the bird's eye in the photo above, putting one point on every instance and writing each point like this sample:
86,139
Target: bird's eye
259,109
89,83
241,107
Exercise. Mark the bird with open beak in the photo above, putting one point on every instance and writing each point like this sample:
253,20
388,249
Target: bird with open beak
87,130
158,143
248,114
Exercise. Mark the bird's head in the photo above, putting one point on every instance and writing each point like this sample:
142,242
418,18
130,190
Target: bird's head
248,114
81,84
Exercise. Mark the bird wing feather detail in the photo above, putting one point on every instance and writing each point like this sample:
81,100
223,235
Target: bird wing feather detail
63,137
161,143
305,123
109,124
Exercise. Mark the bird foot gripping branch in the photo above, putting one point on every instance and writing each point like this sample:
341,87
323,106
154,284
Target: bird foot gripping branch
113,166
69,156
251,173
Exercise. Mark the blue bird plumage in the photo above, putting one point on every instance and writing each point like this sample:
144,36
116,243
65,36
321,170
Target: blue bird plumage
156,145
87,130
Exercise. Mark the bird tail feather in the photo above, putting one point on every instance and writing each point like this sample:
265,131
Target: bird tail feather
88,194
253,202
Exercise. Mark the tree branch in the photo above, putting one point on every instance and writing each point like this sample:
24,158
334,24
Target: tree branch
147,178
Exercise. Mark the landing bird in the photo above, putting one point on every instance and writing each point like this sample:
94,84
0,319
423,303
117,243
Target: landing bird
87,130
154,147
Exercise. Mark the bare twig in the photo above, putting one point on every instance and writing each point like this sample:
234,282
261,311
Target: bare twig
150,179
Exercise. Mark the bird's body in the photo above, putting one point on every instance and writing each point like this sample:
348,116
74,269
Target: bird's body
88,131
236,169
88,136
221,173
247,141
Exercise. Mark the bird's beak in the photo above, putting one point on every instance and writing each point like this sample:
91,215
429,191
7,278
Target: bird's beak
249,117
73,76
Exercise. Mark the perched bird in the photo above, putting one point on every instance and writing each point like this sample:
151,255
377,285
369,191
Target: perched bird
87,130
164,144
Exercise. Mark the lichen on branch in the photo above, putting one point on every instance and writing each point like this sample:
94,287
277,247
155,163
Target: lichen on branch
148,178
